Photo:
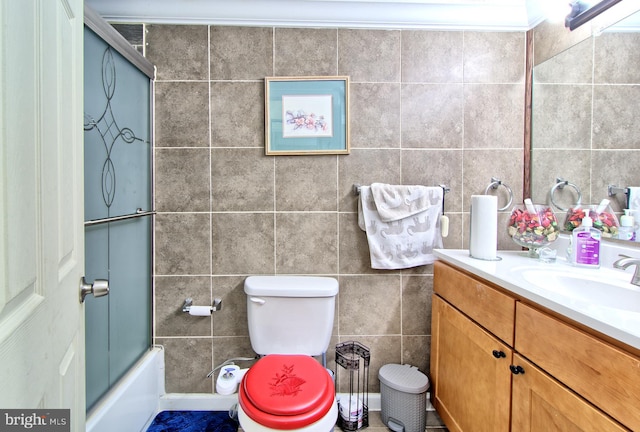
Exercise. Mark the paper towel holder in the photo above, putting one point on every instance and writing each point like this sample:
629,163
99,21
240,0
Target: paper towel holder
188,302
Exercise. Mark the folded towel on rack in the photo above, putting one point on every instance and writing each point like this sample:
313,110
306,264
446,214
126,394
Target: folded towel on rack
404,242
395,202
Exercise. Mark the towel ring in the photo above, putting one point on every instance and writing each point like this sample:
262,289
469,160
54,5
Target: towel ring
560,184
495,182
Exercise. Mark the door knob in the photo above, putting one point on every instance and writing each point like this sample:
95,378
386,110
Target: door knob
98,288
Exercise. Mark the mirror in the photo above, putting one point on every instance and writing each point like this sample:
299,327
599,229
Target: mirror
586,119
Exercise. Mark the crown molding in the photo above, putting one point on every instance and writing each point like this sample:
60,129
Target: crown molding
494,15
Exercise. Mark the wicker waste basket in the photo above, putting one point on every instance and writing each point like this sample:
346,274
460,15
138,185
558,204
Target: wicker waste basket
403,390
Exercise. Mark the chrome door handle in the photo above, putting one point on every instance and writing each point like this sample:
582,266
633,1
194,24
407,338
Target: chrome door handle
98,288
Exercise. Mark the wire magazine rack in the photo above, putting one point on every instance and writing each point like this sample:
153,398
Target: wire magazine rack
354,359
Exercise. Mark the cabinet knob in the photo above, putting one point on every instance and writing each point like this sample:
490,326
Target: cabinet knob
498,354
516,369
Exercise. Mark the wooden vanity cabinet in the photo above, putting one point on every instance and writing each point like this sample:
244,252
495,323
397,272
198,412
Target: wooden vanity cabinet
498,364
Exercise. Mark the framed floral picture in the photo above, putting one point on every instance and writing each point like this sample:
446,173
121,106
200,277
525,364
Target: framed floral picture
306,115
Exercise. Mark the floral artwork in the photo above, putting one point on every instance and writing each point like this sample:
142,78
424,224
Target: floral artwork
305,122
306,115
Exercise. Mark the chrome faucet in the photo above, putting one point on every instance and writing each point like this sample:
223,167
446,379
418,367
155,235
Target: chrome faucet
627,261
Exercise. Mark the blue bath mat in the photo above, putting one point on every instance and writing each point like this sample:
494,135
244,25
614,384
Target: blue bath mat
193,421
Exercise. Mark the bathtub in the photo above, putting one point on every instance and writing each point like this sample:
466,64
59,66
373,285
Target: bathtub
134,401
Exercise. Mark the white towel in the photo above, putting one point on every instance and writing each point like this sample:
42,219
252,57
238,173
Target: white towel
402,243
395,202
634,200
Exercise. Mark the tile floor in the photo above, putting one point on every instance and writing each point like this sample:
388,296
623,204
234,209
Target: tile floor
434,423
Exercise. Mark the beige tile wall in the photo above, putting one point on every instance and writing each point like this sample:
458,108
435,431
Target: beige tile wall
427,107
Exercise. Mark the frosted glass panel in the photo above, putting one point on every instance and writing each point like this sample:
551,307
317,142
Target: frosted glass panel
130,302
96,314
116,123
117,182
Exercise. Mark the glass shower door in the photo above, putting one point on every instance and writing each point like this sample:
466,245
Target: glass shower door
118,220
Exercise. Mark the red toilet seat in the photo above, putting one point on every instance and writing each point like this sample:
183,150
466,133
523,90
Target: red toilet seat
286,391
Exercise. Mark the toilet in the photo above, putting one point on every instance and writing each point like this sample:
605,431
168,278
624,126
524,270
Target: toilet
290,321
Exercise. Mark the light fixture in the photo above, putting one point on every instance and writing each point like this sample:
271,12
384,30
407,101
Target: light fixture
555,11
582,13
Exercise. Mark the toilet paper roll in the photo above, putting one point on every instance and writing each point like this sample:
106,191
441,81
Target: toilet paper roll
351,410
200,310
483,227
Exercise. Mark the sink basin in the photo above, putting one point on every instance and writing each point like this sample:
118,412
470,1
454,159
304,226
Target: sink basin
602,287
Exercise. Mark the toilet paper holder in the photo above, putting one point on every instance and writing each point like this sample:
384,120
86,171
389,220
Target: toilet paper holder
188,302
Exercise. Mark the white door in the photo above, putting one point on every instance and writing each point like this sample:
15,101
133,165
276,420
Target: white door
41,202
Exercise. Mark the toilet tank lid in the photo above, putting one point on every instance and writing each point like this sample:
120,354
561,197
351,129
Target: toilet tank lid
291,286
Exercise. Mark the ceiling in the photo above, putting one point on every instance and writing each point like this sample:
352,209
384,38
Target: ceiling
495,15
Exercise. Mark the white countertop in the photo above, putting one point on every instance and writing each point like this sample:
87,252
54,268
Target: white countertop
621,323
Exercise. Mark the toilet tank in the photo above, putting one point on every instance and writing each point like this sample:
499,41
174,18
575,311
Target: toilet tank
290,314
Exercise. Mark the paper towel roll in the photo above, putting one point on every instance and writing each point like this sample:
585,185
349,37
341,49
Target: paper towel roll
200,310
483,227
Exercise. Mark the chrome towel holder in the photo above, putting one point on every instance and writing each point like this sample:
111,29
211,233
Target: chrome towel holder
495,182
614,190
560,184
356,189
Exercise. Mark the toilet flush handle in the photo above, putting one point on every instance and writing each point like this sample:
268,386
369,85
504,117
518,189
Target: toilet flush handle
257,300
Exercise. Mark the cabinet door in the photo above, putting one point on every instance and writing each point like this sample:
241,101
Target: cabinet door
472,385
605,375
540,403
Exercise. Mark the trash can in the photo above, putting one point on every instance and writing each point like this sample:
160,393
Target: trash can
403,391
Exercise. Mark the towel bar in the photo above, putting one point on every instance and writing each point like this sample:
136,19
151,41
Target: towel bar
614,190
356,188
139,213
